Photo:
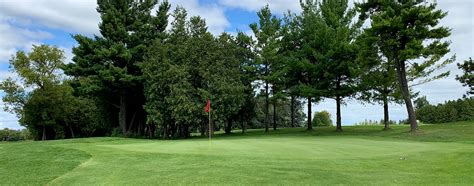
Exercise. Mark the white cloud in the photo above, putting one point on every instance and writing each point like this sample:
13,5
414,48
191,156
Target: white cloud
14,37
277,6
70,15
212,13
22,23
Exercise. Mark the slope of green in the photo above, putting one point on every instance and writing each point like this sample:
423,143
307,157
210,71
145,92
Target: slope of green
439,154
36,162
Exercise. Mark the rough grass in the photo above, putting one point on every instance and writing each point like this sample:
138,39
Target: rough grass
361,155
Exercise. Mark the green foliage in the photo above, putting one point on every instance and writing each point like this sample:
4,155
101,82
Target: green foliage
192,66
283,113
405,31
322,119
142,79
267,32
14,135
421,102
450,111
48,109
107,66
37,70
467,79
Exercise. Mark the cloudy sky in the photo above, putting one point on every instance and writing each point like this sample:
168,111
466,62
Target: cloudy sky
27,22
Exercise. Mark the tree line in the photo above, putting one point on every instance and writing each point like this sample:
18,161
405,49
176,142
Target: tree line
450,111
139,78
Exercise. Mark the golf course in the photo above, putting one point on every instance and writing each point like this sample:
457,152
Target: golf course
437,154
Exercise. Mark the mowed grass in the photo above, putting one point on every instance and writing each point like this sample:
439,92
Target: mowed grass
362,155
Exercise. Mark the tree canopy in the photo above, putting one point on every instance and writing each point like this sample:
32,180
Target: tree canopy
144,76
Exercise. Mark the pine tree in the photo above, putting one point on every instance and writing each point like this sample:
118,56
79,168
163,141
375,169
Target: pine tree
309,35
340,69
111,61
467,78
407,31
266,48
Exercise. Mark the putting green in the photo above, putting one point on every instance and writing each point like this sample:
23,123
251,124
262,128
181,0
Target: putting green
440,154
271,160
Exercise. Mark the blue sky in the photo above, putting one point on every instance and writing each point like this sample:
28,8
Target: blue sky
27,22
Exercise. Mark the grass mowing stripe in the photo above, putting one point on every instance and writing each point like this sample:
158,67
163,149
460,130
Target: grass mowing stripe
439,154
36,163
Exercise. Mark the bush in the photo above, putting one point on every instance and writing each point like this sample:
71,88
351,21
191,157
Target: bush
14,135
322,118
450,111
117,132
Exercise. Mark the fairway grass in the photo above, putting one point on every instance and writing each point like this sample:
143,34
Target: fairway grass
438,154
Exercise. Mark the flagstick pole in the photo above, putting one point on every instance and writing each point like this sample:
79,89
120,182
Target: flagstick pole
209,124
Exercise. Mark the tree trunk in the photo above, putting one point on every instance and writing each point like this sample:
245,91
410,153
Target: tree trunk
186,133
70,129
292,111
244,127
44,133
132,122
338,114
402,78
242,124
228,127
123,114
165,131
274,115
266,107
310,113
385,113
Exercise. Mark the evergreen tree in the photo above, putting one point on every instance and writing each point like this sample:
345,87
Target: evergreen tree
405,27
266,48
110,61
467,78
167,86
248,76
341,70
289,55
309,42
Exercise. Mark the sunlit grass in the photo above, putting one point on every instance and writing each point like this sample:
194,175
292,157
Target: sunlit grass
438,154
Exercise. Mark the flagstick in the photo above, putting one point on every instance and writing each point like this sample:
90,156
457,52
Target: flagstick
209,124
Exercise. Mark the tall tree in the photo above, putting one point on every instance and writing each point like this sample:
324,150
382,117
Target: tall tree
111,60
379,80
226,85
167,80
409,30
341,70
37,70
309,42
248,75
266,48
290,44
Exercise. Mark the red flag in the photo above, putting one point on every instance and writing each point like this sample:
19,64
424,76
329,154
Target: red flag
208,106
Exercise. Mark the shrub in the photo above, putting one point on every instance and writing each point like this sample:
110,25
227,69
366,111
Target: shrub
322,118
14,135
